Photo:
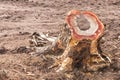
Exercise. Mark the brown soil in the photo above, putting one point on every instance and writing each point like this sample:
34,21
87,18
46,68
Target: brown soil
20,18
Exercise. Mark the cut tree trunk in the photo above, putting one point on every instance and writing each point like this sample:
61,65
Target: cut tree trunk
78,50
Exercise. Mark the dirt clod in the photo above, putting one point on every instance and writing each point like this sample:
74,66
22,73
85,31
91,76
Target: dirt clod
3,50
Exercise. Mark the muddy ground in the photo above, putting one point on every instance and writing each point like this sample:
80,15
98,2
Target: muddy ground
20,18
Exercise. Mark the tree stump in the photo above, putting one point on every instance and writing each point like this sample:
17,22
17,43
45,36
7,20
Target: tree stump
79,46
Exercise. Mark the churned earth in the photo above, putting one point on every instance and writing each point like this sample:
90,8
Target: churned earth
20,18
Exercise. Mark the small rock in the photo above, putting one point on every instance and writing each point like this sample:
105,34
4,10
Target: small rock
103,40
24,33
3,50
118,37
23,49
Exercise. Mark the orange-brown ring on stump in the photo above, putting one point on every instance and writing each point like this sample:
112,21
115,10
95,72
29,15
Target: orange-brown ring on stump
73,13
